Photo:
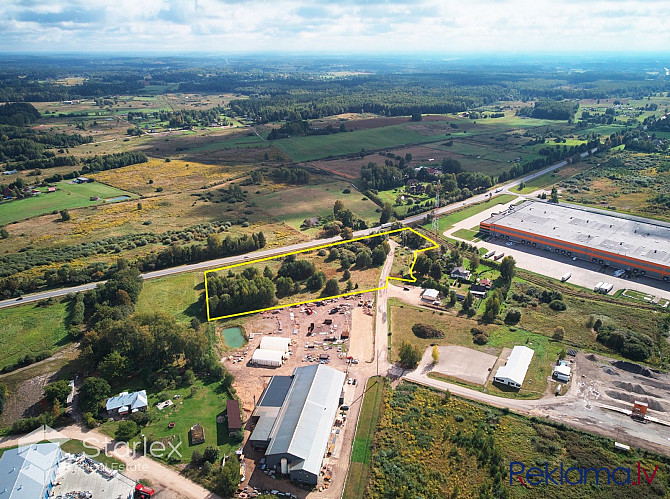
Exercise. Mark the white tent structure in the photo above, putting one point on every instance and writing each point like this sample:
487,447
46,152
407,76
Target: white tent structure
275,343
271,358
514,372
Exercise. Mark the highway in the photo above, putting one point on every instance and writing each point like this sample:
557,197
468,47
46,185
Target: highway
221,262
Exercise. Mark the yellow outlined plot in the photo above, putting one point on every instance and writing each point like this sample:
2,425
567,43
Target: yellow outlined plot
329,245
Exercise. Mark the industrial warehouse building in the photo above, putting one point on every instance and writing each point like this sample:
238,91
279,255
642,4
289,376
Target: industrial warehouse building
269,358
293,420
514,372
636,244
275,343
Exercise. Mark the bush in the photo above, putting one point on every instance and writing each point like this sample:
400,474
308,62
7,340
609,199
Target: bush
426,331
142,418
90,421
513,316
559,333
196,458
126,431
211,454
557,305
480,339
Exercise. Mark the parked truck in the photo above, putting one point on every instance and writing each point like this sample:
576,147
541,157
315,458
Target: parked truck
490,254
598,286
606,288
498,256
565,277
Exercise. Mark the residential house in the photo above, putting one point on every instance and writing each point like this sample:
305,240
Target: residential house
460,273
125,403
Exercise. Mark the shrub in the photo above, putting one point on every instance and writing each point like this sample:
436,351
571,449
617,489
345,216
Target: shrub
126,431
559,333
557,305
211,454
480,339
426,331
513,316
196,458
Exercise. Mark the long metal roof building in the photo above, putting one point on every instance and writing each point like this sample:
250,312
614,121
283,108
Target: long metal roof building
302,426
514,372
629,242
29,471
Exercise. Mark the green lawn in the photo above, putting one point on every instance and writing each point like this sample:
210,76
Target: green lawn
358,473
77,447
450,219
467,234
67,196
30,329
177,295
321,146
203,408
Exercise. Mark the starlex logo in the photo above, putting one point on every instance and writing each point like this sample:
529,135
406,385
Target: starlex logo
579,476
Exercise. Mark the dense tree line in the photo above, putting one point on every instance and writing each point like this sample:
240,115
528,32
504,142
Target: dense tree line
550,109
18,114
231,295
299,127
291,175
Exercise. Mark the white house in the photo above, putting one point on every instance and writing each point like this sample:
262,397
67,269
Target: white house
125,403
562,373
430,295
513,373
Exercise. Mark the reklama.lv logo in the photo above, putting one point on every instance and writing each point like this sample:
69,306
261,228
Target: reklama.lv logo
578,476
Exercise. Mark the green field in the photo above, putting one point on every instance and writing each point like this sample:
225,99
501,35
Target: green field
450,219
292,205
359,471
30,329
203,408
321,146
177,295
66,197
78,447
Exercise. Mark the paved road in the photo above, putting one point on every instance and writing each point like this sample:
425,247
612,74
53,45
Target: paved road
221,262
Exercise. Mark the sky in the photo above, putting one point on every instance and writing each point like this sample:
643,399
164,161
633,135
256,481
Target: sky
334,26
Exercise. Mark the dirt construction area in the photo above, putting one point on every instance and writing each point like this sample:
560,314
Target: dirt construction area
464,363
320,333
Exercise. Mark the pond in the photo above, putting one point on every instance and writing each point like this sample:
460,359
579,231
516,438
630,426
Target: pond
233,337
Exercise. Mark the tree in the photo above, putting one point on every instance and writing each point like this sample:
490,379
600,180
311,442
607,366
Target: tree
507,268
491,309
435,354
452,298
468,301
316,281
554,194
347,275
92,393
338,207
267,272
378,256
64,215
387,213
3,233
211,453
126,430
347,233
57,391
474,262
597,325
284,286
513,316
363,259
114,366
435,271
409,356
332,288
559,333
196,458
229,478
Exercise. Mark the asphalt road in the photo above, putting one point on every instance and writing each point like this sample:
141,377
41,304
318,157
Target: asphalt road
221,262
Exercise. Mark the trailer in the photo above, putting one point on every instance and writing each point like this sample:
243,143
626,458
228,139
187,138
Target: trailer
565,277
490,254
597,287
606,288
498,256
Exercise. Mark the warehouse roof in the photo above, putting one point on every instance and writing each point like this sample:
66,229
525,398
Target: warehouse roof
517,365
275,343
262,356
268,407
621,234
305,419
26,471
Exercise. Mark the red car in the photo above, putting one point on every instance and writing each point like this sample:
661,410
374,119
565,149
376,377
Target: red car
142,491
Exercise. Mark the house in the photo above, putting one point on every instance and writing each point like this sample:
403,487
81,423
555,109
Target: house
234,418
513,373
430,295
197,434
486,283
51,189
561,373
460,273
413,186
125,403
82,180
478,291
29,470
310,222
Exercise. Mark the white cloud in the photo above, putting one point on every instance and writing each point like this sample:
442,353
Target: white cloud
334,25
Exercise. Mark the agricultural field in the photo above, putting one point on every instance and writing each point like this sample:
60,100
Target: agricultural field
67,196
627,181
429,444
31,329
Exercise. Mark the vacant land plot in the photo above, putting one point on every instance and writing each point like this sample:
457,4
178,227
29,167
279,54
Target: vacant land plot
30,329
321,146
177,295
67,196
450,219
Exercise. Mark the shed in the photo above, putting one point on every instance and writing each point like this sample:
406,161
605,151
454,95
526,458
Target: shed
562,373
513,373
430,294
275,343
271,358
234,419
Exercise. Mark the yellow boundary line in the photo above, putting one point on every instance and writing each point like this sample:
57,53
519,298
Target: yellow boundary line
329,245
